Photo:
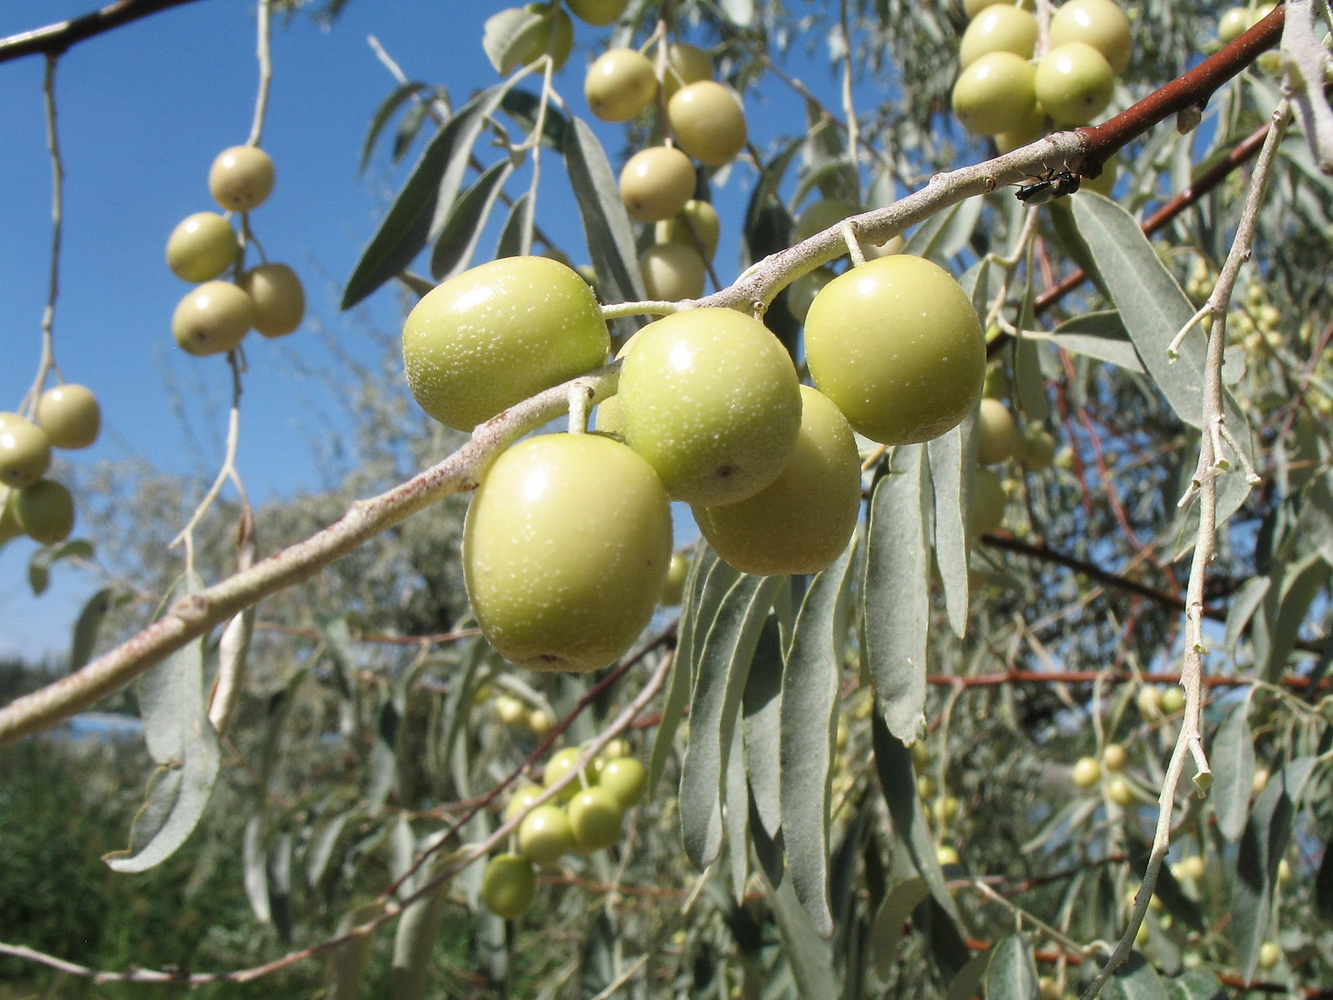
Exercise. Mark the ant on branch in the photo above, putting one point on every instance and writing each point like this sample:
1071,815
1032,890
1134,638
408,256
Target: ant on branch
1054,184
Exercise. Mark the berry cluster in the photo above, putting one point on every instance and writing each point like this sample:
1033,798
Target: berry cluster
585,816
214,317
999,441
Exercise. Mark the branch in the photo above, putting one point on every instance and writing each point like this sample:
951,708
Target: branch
54,39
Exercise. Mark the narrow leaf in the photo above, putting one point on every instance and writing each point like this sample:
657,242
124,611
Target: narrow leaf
462,230
1135,979
1232,759
810,956
256,869
348,961
896,595
762,709
886,935
516,236
417,932
1099,335
388,106
736,817
1011,973
1195,984
951,456
89,623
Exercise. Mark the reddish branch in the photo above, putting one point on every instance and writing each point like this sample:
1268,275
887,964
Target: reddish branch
54,39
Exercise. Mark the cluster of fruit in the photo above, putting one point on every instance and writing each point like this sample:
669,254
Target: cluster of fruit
1000,440
1237,20
585,816
214,317
1010,91
516,713
65,416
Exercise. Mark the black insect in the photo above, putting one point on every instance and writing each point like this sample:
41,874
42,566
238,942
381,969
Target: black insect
1055,184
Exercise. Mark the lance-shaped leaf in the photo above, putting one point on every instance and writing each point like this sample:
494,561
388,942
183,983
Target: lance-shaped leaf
761,709
810,956
1232,759
468,217
422,205
1135,979
1011,974
724,664
952,456
1099,335
400,94
1195,984
516,235
896,594
886,935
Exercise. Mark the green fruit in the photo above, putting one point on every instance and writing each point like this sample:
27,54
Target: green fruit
1086,773
995,94
213,318
897,346
598,13
1099,23
508,885
672,272
674,591
545,834
557,582
560,764
820,215
697,226
946,855
1119,791
25,451
625,778
510,710
550,31
1191,867
620,83
595,815
988,503
944,809
1114,757
619,747
686,64
496,334
708,122
999,28
278,297
1038,451
523,796
9,522
1074,83
1032,129
975,7
801,292
1149,701
241,178
656,182
1270,953
539,721
201,247
1173,700
45,511
802,521
710,398
1232,24
998,439
70,415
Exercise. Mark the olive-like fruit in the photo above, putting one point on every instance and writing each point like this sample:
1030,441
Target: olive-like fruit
598,13
1191,867
278,296
820,215
595,815
1038,451
539,721
1114,757
522,797
496,334
550,32
1173,700
625,778
25,451
1100,23
545,834
556,582
1000,28
560,764
9,522
45,511
802,521
946,855
710,398
708,122
975,7
70,415
202,247
1086,773
1119,791
998,439
944,809
1270,953
241,178
1029,131
1074,83
996,93
686,64
672,271
1149,702
656,182
674,591
897,346
988,501
508,885
213,318
510,710
620,83
697,226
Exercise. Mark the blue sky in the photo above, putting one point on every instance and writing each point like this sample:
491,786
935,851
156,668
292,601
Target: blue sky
142,112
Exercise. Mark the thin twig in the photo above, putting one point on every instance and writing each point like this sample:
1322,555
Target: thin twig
55,39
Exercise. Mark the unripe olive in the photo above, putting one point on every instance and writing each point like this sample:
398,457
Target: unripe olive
1119,791
278,296
557,582
1074,83
70,415
674,591
988,503
539,721
620,83
820,215
710,398
672,271
998,439
625,778
598,13
522,797
241,178
1100,23
686,64
897,346
1236,21
25,451
944,809
1270,953
1024,134
1173,700
697,226
656,182
508,885
496,334
995,94
1114,757
946,855
201,247
708,122
1086,773
550,33
595,815
1191,867
561,763
510,710
1149,701
545,834
999,28
213,318
45,511
802,521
